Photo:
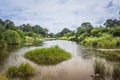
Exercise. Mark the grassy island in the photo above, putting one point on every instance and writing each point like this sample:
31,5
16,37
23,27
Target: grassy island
47,56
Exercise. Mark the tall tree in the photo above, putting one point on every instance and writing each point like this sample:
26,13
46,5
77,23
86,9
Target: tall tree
110,23
9,24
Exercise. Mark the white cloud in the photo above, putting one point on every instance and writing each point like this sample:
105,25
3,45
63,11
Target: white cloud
57,14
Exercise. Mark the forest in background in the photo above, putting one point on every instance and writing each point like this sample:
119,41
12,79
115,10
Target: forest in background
15,35
107,36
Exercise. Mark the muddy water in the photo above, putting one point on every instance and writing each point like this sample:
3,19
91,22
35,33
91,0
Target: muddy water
79,67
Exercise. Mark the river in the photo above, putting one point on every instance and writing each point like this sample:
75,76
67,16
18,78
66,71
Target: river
79,67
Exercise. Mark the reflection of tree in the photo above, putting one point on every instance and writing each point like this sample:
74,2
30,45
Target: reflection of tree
3,54
5,51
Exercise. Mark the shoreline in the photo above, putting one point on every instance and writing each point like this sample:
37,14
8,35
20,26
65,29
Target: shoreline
108,49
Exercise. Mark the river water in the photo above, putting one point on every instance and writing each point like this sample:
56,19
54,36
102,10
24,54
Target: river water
79,67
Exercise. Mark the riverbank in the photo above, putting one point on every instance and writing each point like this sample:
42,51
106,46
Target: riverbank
108,49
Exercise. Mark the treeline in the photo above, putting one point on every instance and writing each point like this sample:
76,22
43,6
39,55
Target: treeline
107,36
25,33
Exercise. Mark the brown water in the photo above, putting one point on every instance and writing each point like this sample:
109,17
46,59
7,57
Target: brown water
79,67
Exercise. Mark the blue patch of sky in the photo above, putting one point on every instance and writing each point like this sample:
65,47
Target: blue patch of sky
62,1
110,4
100,21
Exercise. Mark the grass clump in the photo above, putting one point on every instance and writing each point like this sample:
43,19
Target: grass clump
116,71
99,68
102,71
3,77
25,70
48,56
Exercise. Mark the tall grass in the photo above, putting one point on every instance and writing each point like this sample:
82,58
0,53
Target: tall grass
105,72
48,56
99,68
25,70
116,71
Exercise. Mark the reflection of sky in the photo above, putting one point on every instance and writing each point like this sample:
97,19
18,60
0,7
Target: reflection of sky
57,14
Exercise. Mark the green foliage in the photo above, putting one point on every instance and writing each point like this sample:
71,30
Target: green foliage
99,68
11,37
86,25
3,77
12,71
112,23
116,71
35,29
65,32
80,31
25,70
110,55
9,24
82,37
29,39
116,31
96,32
48,56
105,40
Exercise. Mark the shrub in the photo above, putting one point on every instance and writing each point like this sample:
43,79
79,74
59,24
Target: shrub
11,37
29,39
12,71
48,56
99,68
25,70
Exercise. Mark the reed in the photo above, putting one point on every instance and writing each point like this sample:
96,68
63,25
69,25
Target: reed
116,71
99,68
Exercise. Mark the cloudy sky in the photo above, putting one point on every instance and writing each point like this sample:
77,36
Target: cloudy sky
58,14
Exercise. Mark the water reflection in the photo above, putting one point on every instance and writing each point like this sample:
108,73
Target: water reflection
79,67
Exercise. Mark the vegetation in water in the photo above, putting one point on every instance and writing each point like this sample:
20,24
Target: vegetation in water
23,71
99,68
105,72
48,56
116,71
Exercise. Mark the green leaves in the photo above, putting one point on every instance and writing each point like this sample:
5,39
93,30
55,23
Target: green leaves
11,37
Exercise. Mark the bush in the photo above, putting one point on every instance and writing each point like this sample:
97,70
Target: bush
25,70
116,31
11,37
48,56
29,39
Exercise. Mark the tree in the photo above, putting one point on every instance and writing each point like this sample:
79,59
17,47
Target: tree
11,37
86,25
51,35
1,22
116,31
9,24
110,23
65,32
